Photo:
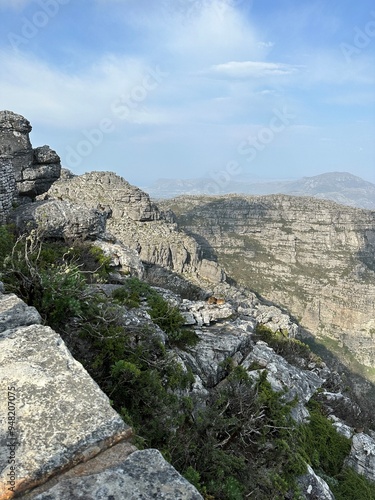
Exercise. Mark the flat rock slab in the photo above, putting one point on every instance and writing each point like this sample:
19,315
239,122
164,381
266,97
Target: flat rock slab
52,414
14,313
143,475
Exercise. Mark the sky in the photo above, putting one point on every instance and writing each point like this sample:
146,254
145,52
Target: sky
226,89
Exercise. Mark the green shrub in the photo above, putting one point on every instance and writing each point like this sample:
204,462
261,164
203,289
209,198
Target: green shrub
349,485
293,350
325,448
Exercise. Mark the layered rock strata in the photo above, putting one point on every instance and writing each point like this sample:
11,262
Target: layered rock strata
313,257
34,169
136,221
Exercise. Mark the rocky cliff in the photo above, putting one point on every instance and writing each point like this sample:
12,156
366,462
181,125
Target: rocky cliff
313,257
60,436
137,222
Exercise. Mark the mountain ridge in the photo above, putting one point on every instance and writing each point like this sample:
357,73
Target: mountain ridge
342,187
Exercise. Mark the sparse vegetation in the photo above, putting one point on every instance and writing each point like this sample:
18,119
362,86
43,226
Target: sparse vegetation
240,441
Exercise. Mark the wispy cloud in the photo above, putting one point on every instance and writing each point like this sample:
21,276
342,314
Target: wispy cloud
252,69
14,4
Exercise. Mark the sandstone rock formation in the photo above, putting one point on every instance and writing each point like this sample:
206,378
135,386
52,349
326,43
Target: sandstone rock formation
55,419
137,222
56,414
313,257
34,169
60,219
143,475
362,455
314,487
7,188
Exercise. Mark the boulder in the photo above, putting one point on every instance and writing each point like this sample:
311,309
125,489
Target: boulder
60,219
143,475
15,313
57,415
122,257
362,455
216,344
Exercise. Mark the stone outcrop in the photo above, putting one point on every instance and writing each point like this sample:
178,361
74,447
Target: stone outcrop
314,487
7,188
59,436
313,257
60,220
56,414
122,257
285,377
34,169
362,455
137,222
143,475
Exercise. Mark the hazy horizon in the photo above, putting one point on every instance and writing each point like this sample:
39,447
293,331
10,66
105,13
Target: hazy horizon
192,88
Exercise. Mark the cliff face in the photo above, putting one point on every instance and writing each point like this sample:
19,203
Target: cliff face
137,222
313,257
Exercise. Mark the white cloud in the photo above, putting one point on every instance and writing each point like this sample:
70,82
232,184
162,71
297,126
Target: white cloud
32,87
252,69
14,4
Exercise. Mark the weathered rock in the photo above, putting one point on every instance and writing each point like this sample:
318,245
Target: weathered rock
7,188
107,459
136,221
216,344
61,415
342,428
313,257
284,376
200,313
43,172
314,487
211,271
15,143
143,475
15,313
34,170
98,189
123,258
60,219
362,455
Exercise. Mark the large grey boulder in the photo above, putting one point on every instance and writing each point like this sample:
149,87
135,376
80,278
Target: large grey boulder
61,416
362,455
123,258
143,475
60,219
15,313
216,344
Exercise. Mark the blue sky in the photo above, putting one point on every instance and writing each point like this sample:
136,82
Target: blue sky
260,89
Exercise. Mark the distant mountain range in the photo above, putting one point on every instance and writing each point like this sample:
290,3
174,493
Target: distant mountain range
341,187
